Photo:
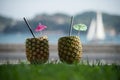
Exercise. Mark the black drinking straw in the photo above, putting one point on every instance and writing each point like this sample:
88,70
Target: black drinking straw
28,25
71,24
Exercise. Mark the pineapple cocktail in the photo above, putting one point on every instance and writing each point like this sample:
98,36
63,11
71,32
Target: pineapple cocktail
70,49
37,50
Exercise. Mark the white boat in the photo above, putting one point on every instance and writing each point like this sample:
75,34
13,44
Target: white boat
96,30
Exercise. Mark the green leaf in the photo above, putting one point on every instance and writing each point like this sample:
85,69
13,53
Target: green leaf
80,27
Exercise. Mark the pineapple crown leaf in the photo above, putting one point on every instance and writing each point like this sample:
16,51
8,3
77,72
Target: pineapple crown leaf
80,27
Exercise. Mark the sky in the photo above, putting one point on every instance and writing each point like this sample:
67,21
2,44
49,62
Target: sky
29,8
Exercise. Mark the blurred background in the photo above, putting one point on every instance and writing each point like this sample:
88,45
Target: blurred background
101,41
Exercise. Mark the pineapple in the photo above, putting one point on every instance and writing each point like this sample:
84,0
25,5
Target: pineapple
37,50
70,49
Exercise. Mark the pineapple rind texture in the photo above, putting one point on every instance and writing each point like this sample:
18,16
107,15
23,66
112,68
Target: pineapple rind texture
70,49
37,50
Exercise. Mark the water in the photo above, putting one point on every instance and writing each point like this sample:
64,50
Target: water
20,38
53,38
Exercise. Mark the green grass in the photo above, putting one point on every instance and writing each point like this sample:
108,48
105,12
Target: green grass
60,71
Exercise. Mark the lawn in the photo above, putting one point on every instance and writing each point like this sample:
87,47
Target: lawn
59,71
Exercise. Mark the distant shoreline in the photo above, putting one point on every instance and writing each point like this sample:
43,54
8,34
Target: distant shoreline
107,48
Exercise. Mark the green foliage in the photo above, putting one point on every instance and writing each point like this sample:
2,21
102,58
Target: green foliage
59,21
59,71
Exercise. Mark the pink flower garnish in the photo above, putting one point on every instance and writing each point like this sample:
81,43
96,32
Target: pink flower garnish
40,27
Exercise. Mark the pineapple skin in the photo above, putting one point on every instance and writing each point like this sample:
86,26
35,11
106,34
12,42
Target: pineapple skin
70,49
37,50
